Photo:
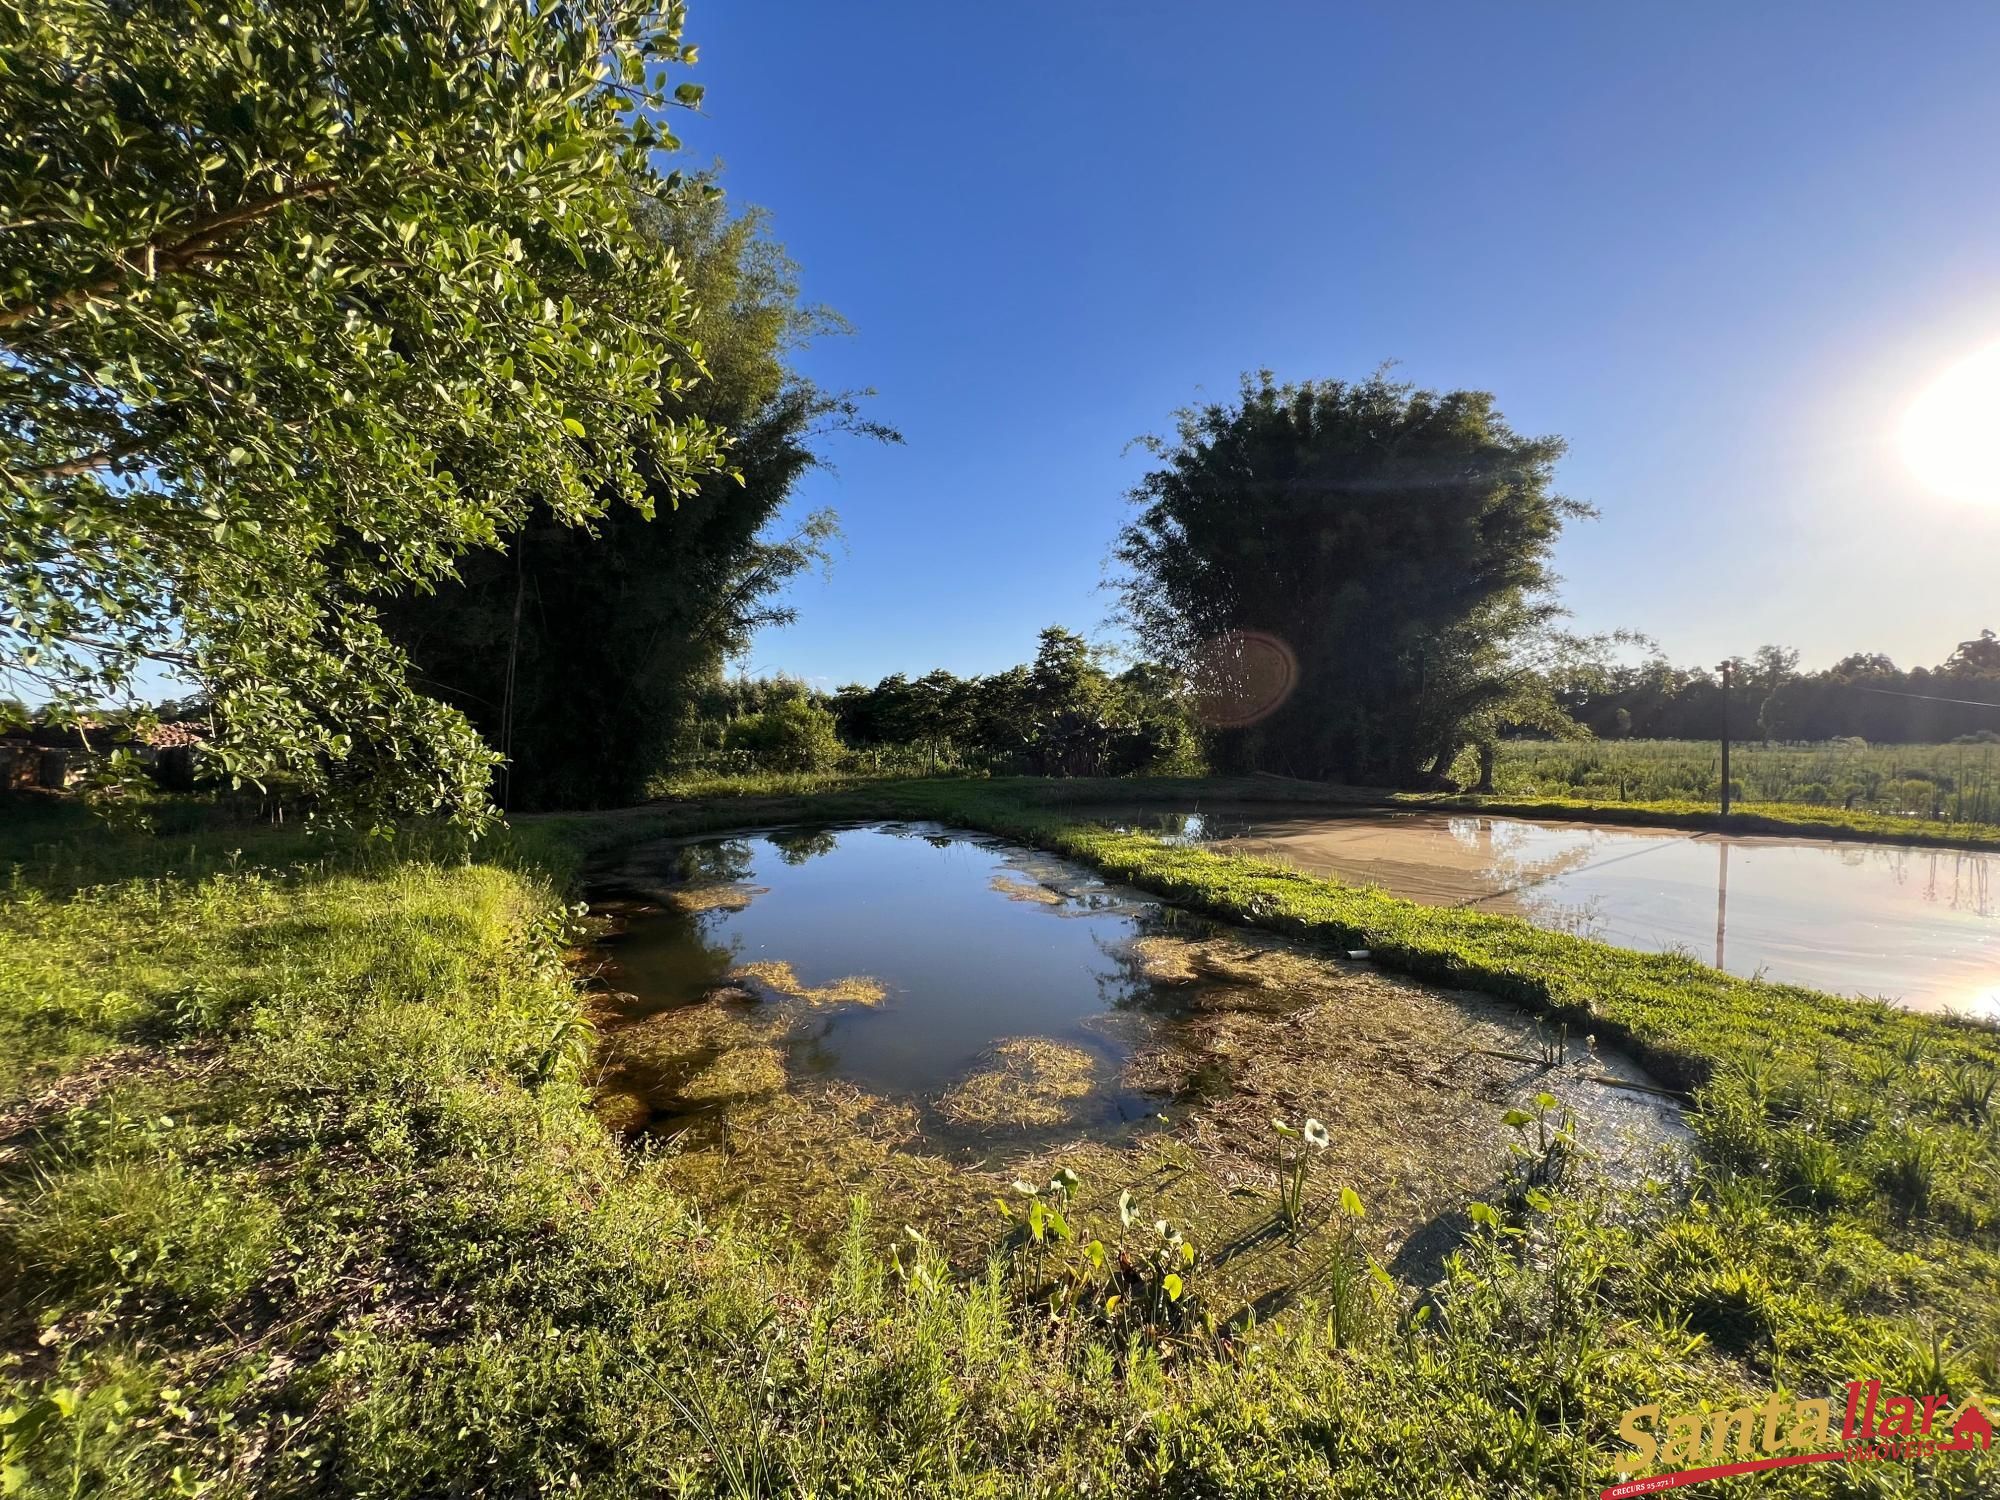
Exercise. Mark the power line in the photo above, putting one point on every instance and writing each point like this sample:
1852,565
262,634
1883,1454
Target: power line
1922,697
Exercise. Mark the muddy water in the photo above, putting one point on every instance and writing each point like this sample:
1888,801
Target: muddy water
1917,926
921,1014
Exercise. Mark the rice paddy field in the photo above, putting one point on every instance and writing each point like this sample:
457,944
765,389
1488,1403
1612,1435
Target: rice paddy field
1956,782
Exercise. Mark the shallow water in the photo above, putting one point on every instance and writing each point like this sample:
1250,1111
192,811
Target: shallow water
1006,997
965,963
1917,926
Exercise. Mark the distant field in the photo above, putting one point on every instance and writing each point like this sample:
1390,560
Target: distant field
1960,783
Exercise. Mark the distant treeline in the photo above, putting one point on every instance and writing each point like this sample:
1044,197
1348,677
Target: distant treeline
1866,696
1063,714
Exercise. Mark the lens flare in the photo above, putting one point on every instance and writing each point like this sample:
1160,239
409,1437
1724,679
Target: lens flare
1951,434
1243,676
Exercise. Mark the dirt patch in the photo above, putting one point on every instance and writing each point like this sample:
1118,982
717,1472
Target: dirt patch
25,1119
1028,1082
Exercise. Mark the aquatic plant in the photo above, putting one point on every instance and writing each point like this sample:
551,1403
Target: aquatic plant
1552,1049
738,1072
1137,1287
1294,1166
1028,1081
1545,1139
696,899
1352,1283
1033,892
388,1008
777,974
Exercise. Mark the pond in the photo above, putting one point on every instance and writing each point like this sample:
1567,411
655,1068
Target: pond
1917,926
922,1014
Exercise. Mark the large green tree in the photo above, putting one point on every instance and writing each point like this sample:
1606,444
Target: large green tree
1397,541
586,654
299,301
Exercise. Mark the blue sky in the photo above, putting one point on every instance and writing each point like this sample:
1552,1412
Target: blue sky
1718,247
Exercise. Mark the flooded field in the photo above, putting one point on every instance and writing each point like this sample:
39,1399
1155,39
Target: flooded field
1917,926
924,1015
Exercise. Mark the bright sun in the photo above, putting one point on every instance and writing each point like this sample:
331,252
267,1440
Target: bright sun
1951,435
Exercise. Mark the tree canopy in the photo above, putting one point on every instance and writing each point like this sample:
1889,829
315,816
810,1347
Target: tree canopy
1396,541
1863,695
1064,714
300,301
584,654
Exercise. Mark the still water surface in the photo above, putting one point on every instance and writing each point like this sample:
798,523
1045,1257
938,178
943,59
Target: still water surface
752,948
946,924
1917,926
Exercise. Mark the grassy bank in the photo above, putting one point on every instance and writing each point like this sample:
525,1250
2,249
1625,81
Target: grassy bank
1771,819
301,1194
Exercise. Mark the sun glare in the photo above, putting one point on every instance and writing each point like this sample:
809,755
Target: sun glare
1951,435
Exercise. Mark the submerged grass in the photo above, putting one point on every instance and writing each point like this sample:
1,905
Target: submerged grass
302,1193
1026,1081
778,976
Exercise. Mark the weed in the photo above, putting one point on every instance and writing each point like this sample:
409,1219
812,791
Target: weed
1907,1160
1545,1140
1811,1170
1353,1286
1968,1091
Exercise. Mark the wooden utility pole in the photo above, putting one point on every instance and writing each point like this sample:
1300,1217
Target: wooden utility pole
1728,676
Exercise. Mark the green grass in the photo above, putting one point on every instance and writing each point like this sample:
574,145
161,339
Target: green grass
1899,783
696,785
300,1194
1778,819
